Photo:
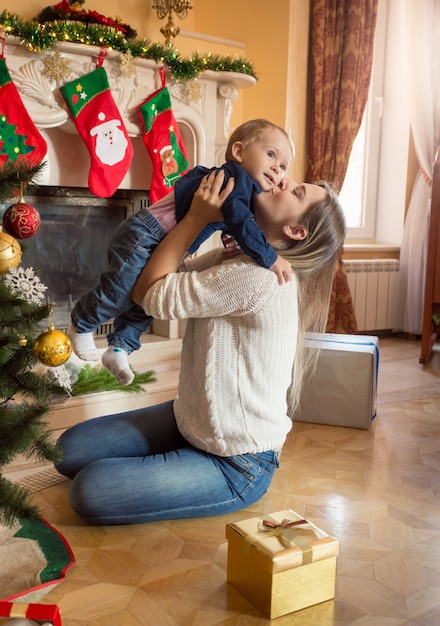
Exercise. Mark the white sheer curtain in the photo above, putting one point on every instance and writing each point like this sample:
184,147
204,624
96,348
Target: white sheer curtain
417,54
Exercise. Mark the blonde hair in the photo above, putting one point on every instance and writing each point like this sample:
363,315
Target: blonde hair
314,260
251,131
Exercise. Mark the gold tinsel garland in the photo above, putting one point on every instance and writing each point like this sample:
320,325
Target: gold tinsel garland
42,37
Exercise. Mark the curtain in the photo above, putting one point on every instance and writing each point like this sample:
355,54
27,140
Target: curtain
342,43
421,54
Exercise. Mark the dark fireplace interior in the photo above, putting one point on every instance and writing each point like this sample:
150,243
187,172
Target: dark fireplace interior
69,251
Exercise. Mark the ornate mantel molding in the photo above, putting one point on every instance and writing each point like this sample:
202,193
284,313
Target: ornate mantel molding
202,108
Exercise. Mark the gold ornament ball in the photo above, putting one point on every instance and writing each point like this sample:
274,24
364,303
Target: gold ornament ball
10,252
52,347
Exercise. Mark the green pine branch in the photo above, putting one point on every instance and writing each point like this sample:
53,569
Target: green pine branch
25,392
14,503
97,379
21,428
16,178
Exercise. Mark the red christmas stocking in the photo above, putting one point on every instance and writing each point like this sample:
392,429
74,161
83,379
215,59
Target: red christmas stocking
99,123
19,137
163,141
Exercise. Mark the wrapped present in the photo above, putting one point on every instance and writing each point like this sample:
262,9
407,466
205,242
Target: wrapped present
38,613
342,392
281,563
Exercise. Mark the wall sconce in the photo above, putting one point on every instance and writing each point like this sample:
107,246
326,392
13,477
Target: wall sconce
167,7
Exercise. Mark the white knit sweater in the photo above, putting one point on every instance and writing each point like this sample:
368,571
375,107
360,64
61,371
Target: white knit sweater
237,353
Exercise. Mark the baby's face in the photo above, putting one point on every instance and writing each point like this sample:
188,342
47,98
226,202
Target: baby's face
267,158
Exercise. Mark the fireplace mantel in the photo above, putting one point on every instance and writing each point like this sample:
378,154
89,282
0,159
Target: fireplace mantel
203,109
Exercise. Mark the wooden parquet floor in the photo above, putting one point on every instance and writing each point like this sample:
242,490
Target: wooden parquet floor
377,491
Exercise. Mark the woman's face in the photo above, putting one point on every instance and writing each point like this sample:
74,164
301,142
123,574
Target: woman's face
286,207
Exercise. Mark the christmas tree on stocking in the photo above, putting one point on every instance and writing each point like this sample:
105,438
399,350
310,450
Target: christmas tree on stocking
20,139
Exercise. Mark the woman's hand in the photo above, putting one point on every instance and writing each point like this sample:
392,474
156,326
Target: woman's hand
231,249
168,255
209,198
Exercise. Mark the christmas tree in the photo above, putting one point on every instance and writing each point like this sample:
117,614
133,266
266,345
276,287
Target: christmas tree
25,390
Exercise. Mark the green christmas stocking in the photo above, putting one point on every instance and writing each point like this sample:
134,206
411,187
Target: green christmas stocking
99,123
19,137
162,138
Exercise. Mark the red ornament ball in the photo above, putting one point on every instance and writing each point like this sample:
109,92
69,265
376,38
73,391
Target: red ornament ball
21,220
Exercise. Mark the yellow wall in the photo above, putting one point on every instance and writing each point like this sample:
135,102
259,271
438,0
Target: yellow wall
276,41
274,38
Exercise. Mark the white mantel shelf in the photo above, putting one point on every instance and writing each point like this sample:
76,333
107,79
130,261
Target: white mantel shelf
204,121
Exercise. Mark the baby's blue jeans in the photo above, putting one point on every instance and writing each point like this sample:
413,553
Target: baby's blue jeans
128,252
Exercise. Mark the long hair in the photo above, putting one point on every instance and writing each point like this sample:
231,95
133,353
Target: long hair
314,261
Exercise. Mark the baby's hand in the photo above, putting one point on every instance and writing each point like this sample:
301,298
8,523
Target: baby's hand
282,269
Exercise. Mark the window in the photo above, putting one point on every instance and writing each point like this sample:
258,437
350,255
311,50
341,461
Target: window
359,194
352,192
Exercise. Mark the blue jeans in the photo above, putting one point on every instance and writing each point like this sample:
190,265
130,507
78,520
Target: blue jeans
136,467
128,251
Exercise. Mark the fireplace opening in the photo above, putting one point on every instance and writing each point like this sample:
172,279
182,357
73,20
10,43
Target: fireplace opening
69,251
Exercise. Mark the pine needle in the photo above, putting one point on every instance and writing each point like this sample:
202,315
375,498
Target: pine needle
97,379
18,177
14,503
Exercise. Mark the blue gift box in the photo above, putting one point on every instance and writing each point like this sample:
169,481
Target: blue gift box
343,390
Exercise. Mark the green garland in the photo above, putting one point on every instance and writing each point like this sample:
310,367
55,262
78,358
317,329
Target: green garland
41,37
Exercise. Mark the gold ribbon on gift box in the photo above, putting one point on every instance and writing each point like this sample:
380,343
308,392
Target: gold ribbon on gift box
287,531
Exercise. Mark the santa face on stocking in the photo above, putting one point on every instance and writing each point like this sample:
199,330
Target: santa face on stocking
111,143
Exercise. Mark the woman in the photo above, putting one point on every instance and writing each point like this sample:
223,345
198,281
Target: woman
214,449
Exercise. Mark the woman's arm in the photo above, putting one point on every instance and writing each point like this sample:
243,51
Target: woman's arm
168,255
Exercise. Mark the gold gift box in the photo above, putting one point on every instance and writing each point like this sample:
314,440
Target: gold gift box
281,563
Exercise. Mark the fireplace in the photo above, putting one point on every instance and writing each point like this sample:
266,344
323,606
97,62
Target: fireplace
69,251
70,248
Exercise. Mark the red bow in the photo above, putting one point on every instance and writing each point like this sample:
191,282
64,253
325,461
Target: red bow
285,523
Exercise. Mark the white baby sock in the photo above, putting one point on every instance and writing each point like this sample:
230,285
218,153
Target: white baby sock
83,345
116,361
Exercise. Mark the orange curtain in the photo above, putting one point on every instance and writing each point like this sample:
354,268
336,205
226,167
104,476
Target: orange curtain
342,44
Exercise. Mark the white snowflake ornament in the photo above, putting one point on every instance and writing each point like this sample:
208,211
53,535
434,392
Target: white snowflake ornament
61,376
24,282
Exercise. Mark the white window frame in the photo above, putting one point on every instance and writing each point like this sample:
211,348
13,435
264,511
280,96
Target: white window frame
373,117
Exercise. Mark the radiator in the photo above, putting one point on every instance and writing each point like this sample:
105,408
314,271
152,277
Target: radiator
373,285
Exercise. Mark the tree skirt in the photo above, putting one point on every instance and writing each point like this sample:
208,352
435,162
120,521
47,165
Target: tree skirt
33,558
